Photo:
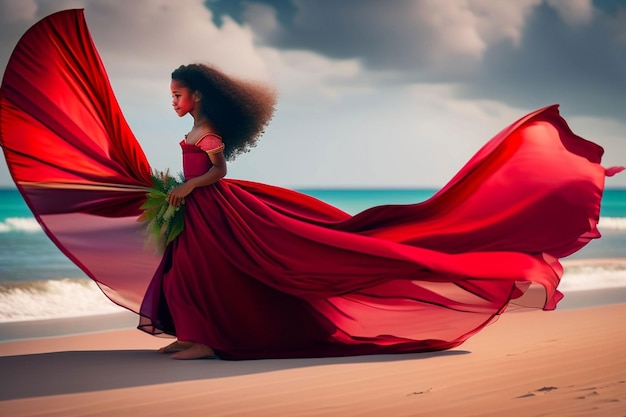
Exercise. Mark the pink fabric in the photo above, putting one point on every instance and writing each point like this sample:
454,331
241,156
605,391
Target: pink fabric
261,271
210,144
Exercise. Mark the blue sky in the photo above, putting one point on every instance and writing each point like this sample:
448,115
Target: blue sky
372,93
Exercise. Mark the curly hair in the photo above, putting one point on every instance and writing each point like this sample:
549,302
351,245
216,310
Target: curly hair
238,108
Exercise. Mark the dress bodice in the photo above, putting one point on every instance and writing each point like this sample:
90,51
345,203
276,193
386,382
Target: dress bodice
195,161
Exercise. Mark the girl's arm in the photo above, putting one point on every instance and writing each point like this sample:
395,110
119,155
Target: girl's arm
214,174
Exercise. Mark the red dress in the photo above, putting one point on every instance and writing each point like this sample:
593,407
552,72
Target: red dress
261,271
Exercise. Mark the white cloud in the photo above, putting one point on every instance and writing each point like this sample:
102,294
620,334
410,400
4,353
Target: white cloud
448,32
573,12
501,20
454,33
437,37
307,74
17,10
262,18
159,36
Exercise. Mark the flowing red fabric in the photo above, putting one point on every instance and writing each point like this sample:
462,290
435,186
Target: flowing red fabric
261,271
73,156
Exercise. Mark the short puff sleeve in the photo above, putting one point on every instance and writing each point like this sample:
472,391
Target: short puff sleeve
211,144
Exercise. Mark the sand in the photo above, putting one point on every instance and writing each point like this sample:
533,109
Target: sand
567,362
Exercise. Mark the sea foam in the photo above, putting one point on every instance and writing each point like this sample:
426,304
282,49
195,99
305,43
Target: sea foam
52,299
30,224
612,223
35,300
19,224
591,274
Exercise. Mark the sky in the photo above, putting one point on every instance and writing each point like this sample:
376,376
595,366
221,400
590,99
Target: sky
372,93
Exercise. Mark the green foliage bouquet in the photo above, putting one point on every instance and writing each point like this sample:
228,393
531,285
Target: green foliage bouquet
162,221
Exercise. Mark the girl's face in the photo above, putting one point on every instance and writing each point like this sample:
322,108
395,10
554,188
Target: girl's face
184,100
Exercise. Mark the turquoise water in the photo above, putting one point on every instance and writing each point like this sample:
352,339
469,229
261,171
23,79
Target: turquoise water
351,200
38,281
12,204
614,203
355,200
26,254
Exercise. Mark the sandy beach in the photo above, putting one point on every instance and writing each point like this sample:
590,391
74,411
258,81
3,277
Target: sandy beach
568,362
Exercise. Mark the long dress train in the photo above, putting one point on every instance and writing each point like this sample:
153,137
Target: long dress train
261,271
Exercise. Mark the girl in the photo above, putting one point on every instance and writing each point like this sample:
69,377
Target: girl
217,103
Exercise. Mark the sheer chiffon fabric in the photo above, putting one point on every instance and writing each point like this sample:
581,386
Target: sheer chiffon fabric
265,272
73,156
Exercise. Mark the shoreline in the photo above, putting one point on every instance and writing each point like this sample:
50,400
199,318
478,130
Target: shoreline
125,320
66,326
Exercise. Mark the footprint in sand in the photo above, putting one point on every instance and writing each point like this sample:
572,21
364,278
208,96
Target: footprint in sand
592,392
542,390
431,389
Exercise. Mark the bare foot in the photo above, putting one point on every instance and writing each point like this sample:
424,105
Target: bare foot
177,346
196,351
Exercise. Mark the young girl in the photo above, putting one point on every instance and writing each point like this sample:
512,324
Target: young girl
265,272
220,107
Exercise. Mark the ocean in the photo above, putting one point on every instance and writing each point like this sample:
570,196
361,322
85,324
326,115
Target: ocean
38,282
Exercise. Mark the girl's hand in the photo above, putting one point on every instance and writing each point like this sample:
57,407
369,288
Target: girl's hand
177,195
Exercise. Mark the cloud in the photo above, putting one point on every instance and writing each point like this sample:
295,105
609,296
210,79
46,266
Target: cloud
522,53
573,12
417,86
583,69
309,75
424,37
15,11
